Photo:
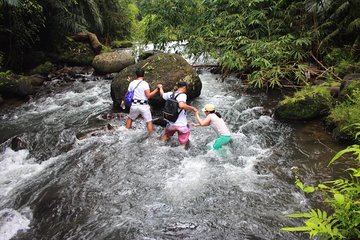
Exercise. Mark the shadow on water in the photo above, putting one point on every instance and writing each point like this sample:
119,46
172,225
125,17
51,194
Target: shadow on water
123,184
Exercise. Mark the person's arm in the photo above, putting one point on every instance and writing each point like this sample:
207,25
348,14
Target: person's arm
205,122
184,106
149,94
161,90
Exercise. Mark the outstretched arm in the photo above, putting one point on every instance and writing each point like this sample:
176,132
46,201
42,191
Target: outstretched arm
149,94
184,106
205,122
160,87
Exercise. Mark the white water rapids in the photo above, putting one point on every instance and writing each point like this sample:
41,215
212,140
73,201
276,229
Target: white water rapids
122,184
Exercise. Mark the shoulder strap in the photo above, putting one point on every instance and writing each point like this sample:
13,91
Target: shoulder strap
137,85
174,97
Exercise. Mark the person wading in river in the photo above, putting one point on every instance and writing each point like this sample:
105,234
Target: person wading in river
140,104
180,125
214,120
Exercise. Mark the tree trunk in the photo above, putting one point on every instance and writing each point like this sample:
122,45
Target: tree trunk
81,37
95,43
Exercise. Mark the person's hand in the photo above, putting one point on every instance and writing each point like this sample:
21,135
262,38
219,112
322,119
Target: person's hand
159,85
195,124
195,110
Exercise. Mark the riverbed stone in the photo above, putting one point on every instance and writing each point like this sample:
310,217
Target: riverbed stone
164,68
112,61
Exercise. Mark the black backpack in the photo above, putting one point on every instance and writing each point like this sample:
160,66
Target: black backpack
171,107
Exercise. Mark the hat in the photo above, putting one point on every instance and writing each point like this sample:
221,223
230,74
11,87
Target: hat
208,108
182,84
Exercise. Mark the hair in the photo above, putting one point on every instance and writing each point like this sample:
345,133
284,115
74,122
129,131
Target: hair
182,84
140,72
217,114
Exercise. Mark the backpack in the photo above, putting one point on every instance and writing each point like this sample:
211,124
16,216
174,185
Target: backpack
129,96
170,111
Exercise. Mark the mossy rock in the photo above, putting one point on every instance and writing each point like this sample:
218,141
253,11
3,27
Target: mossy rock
112,62
75,53
344,118
43,69
348,88
164,68
15,86
121,44
306,104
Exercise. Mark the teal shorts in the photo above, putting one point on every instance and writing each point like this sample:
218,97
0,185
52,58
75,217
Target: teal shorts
220,141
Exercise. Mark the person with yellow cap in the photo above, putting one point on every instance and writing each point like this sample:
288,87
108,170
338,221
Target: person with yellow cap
214,120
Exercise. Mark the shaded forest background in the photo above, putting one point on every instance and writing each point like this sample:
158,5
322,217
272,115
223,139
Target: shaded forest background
268,40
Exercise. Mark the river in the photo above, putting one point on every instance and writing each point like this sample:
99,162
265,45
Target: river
122,184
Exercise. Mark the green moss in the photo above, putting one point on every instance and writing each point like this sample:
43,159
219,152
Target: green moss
43,69
106,49
310,92
348,91
121,44
346,115
308,103
75,53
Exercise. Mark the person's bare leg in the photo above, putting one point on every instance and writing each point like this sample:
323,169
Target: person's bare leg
150,127
128,123
164,138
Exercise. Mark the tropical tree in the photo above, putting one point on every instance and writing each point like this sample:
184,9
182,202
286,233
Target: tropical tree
267,40
24,23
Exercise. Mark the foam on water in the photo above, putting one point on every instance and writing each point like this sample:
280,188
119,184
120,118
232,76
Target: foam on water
189,180
15,168
12,221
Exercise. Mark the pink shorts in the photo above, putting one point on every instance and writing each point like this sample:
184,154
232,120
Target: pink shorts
183,132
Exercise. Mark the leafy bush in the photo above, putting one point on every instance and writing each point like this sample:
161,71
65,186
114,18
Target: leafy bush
43,69
346,114
343,196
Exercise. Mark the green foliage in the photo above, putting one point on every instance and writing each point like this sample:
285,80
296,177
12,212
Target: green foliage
268,40
20,24
310,92
343,196
75,53
346,115
43,69
318,223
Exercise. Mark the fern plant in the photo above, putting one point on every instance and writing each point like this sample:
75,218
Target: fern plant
343,196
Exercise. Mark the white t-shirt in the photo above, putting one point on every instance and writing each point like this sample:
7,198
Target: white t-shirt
218,124
182,97
139,93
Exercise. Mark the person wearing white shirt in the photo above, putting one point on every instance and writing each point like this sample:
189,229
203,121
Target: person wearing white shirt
214,120
140,104
180,125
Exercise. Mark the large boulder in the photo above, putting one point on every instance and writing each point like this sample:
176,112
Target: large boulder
164,68
309,103
12,85
112,61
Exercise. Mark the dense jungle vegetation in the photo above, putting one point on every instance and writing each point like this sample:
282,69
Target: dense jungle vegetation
268,43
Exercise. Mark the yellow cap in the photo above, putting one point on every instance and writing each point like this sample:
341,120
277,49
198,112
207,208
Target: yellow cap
208,108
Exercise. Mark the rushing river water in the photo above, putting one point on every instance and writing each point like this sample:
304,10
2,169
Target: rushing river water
122,184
